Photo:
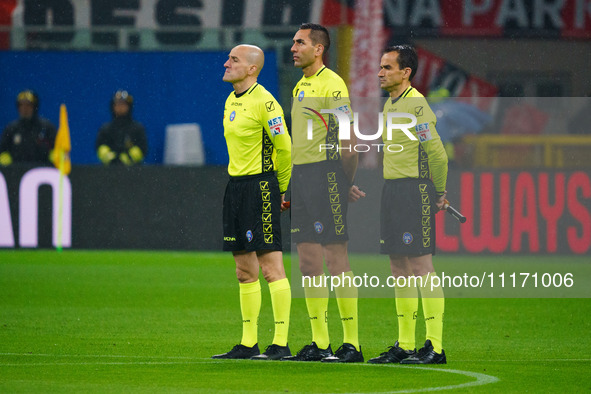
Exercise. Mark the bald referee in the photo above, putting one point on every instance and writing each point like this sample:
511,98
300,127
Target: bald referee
415,173
259,147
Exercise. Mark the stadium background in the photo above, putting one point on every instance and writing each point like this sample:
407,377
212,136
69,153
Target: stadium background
169,55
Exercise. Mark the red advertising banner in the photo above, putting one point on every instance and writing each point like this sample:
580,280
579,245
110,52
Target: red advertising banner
416,19
477,18
520,212
435,72
6,9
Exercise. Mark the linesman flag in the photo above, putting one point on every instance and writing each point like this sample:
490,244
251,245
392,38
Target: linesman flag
61,157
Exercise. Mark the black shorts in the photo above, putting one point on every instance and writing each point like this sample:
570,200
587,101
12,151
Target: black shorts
319,203
407,220
252,213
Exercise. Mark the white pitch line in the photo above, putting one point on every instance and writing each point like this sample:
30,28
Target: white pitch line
481,379
99,356
104,363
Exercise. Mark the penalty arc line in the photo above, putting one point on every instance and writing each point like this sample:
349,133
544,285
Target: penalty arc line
481,379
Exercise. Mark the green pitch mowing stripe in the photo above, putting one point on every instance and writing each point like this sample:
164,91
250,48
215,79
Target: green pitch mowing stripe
97,321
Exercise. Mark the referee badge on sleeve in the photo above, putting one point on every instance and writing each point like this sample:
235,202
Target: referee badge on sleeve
424,132
276,126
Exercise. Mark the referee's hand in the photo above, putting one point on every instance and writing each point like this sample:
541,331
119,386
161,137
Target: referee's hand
355,193
440,203
285,205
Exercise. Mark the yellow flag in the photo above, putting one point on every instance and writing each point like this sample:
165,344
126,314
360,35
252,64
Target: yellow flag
61,157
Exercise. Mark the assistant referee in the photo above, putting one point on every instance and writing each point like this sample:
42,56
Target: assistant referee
322,183
415,173
259,147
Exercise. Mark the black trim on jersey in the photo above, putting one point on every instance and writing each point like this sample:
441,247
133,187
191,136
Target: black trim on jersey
403,95
322,69
423,163
249,90
253,88
332,138
407,91
266,153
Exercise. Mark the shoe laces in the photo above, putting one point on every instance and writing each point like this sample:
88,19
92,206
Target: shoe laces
390,350
341,351
272,349
424,350
305,350
236,349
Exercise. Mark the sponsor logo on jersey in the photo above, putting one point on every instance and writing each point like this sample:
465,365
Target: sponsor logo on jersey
276,126
423,132
232,116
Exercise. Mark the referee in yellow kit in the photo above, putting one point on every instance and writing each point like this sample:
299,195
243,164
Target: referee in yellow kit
322,186
259,147
415,173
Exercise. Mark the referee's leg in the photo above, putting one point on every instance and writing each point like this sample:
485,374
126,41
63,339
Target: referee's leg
247,271
311,265
271,263
407,301
337,262
433,309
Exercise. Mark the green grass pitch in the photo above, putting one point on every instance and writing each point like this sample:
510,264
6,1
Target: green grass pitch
136,322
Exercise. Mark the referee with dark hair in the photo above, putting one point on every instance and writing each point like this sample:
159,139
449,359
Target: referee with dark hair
259,147
322,185
415,173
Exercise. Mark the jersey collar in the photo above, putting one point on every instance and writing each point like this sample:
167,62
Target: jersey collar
403,95
321,69
247,91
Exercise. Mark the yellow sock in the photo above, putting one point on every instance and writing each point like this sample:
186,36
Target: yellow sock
407,305
433,308
250,305
347,296
317,304
281,302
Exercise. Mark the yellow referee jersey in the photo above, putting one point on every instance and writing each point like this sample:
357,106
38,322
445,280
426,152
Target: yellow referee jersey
424,158
256,135
323,90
